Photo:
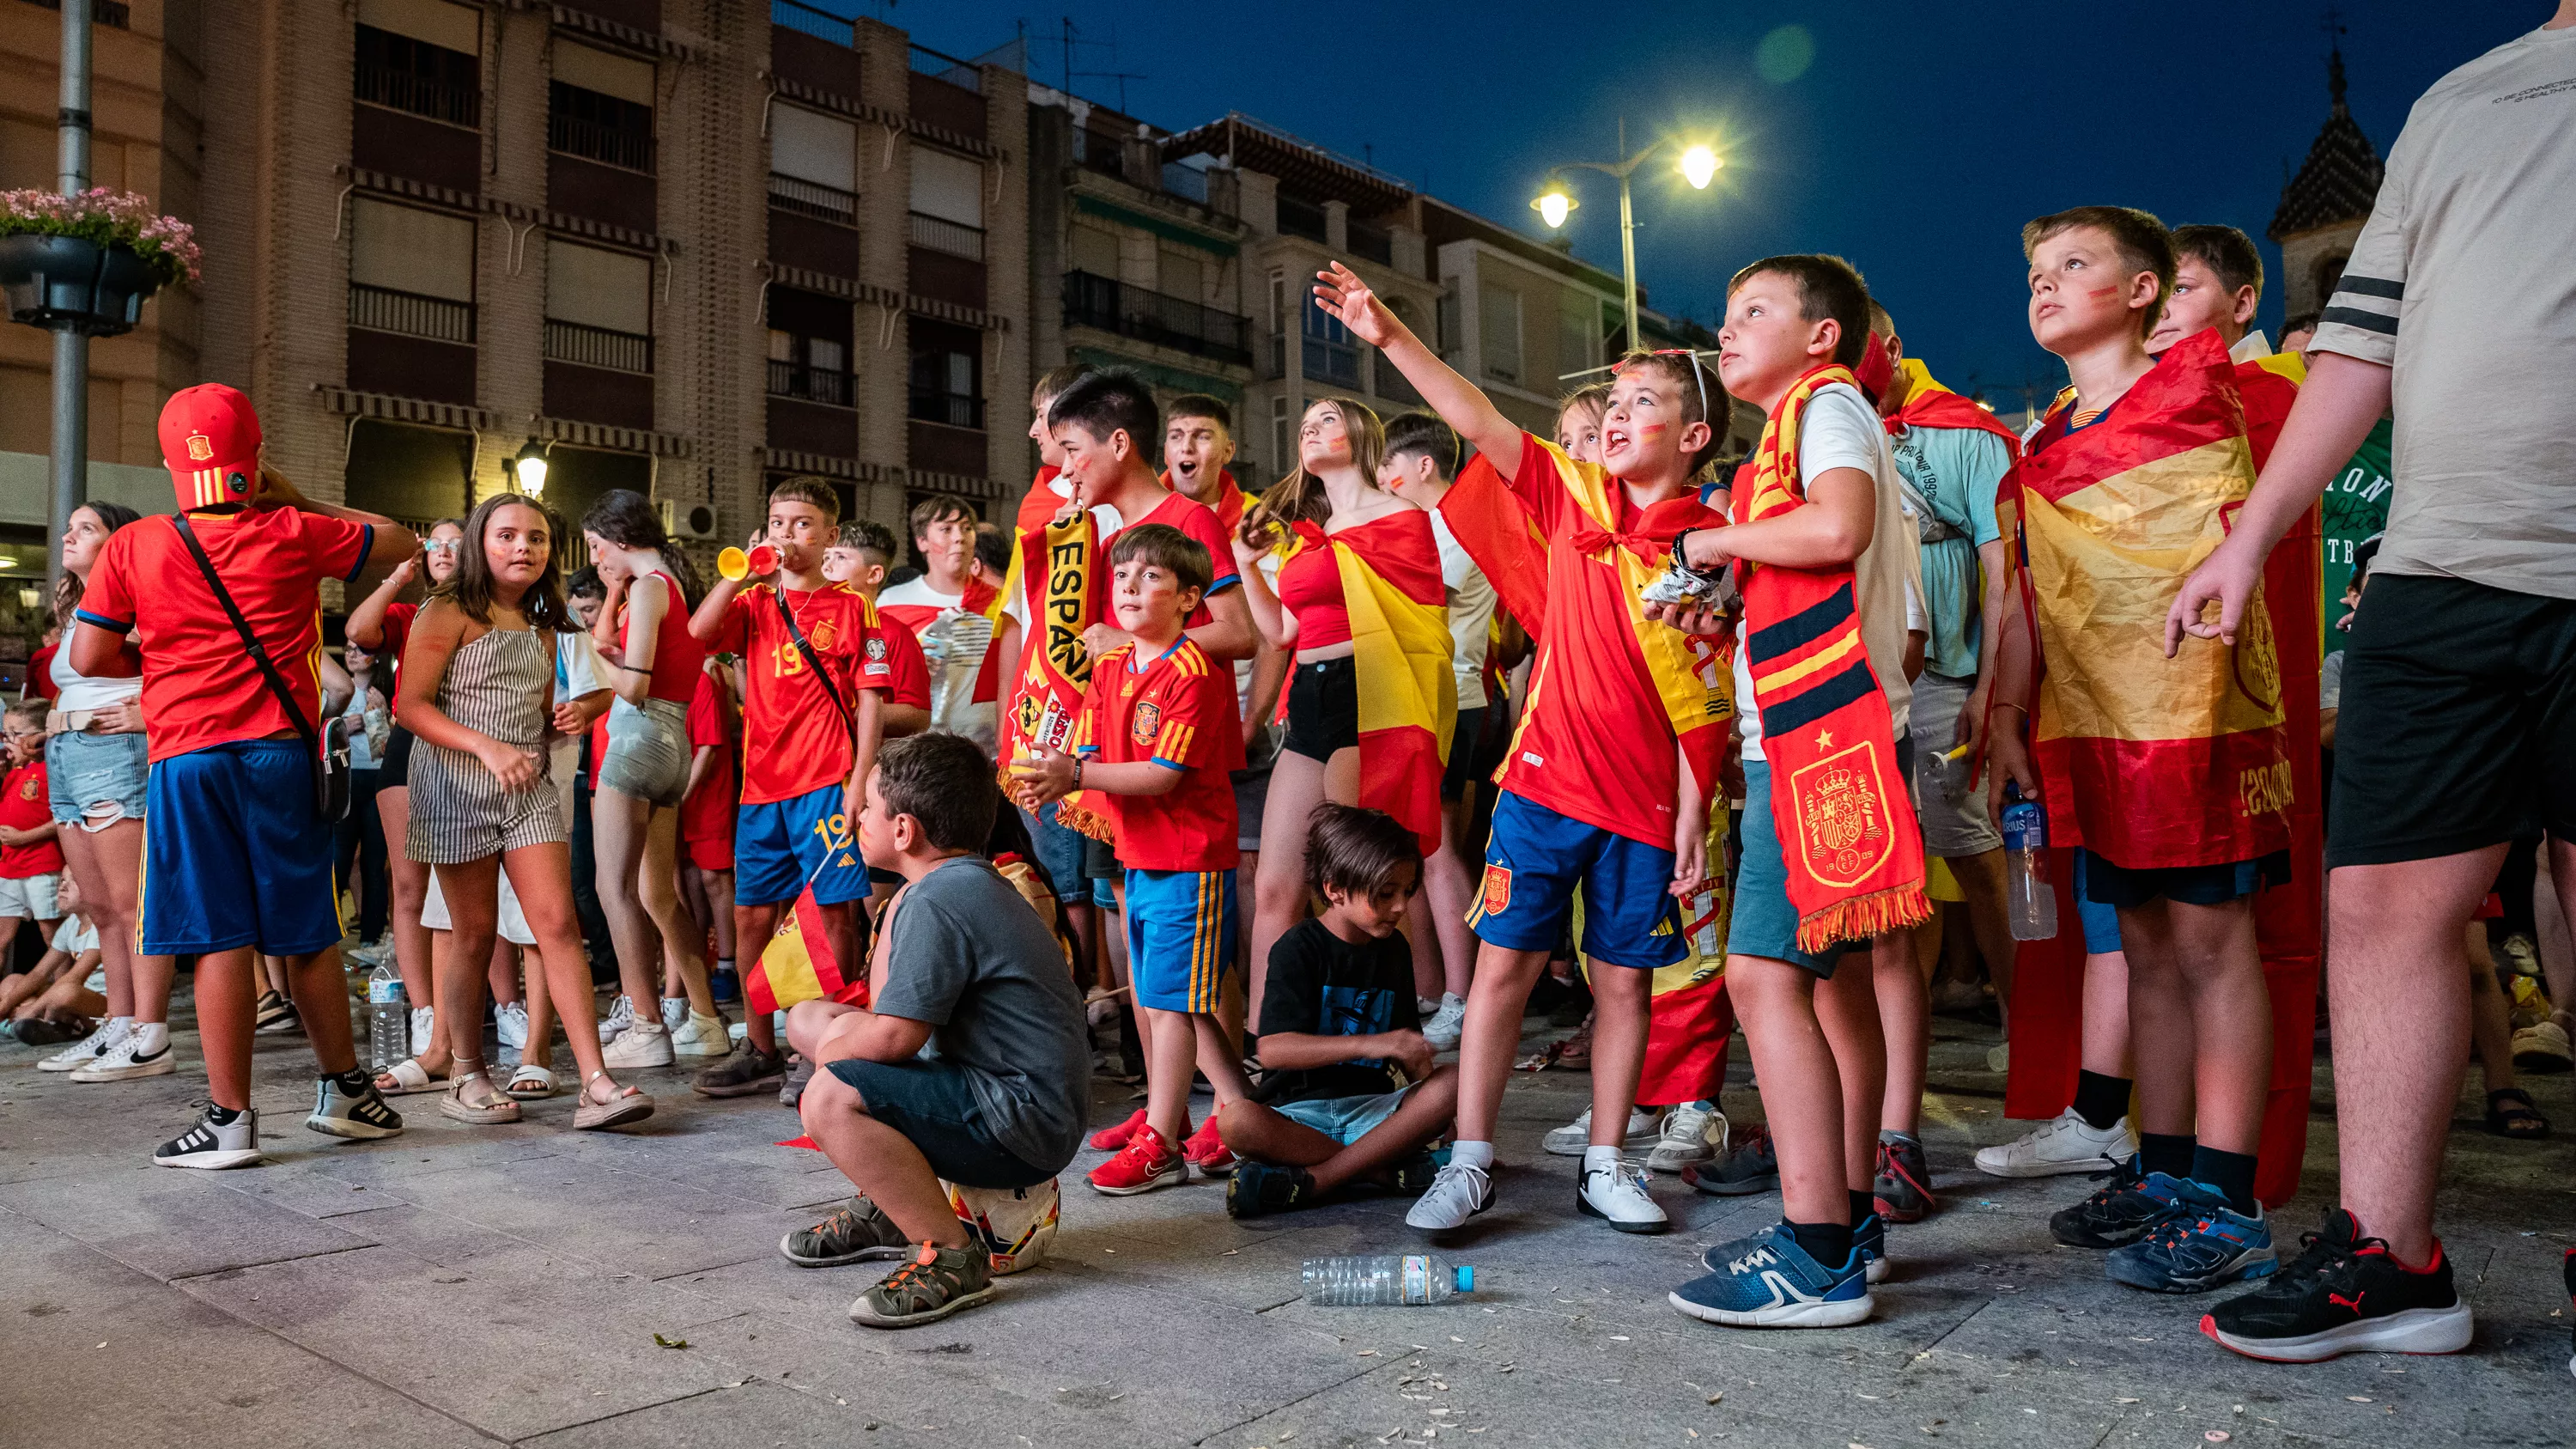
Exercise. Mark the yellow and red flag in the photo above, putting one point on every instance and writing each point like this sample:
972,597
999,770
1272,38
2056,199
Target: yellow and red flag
1060,566
799,964
1400,652
1496,529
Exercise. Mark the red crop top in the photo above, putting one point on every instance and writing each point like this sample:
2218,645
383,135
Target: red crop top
1400,546
677,655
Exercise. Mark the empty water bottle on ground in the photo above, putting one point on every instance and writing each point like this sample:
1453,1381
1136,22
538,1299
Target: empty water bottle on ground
1386,1278
388,1018
2029,901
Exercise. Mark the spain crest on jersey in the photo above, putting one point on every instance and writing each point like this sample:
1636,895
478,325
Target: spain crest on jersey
1146,723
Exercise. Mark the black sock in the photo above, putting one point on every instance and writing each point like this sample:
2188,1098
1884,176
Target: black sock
2230,1172
353,1081
2100,1100
1862,1205
1827,1243
223,1116
2168,1153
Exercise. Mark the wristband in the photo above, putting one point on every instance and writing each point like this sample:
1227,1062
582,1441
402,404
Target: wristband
1077,773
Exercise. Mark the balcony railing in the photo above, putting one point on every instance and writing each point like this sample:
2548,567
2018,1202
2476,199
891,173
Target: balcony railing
959,73
617,146
813,198
940,234
813,384
1102,153
382,309
421,95
1372,243
942,407
813,22
598,346
1166,321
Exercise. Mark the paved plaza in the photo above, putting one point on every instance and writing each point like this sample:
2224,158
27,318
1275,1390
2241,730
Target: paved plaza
532,1286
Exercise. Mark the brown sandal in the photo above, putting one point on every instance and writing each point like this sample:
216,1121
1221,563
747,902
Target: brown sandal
493,1110
624,1105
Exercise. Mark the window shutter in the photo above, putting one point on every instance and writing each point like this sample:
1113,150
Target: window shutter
410,250
811,146
948,186
599,288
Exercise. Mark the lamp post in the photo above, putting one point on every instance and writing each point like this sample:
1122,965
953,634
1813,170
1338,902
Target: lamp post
529,469
71,345
1698,166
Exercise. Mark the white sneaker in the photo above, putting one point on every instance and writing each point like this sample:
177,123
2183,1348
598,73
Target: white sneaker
701,1036
211,1144
1457,1192
424,1020
2069,1144
89,1048
1446,1023
1570,1139
511,1021
642,1044
621,1015
1999,1057
145,1052
2539,1047
1692,1134
675,1012
1615,1192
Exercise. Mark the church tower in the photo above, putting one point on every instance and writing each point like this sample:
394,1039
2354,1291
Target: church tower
2324,206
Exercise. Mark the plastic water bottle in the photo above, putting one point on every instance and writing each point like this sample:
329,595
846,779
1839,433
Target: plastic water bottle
1387,1278
2028,899
388,1017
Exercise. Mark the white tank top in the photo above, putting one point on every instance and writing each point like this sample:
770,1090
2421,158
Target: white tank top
75,690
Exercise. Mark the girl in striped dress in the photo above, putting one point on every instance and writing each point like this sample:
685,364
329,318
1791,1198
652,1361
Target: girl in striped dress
477,692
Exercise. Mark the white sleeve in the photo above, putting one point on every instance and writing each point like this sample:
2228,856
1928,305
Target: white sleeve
578,662
1839,430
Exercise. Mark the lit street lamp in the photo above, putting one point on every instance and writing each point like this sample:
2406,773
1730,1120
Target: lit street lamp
529,467
1699,165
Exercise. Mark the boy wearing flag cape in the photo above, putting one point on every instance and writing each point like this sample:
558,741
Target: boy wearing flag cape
2171,777
1615,761
1832,853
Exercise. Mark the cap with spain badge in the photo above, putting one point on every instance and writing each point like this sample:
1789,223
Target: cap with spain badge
210,441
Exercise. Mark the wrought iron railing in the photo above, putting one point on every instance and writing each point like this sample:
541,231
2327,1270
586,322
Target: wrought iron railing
812,384
384,309
620,146
1149,316
949,408
940,234
813,198
598,346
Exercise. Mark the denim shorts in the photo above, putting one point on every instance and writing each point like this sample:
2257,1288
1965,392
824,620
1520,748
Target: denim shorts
1344,1119
648,751
86,771
1762,922
1059,851
933,1105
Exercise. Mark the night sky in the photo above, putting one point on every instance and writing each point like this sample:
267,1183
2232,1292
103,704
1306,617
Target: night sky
1912,146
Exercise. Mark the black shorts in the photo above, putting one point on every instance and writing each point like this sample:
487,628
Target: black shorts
2458,722
1466,744
2117,886
395,772
933,1105
1323,708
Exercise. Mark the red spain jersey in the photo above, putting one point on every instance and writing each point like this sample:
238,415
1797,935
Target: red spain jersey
907,668
707,812
200,688
23,806
793,741
1177,711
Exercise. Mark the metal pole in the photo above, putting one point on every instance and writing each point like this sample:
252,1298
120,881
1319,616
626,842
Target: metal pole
71,349
1628,235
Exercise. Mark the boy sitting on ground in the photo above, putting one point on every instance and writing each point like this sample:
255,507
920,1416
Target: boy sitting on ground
1340,1029
969,971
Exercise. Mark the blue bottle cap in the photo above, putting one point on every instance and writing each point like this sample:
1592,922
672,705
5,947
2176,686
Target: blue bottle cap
1466,1279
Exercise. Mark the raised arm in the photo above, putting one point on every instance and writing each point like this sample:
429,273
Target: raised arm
366,626
1460,403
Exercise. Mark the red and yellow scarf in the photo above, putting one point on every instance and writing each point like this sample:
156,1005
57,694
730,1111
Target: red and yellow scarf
1849,840
1400,652
1058,565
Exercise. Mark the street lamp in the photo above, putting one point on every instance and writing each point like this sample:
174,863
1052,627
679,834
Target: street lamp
1699,166
529,467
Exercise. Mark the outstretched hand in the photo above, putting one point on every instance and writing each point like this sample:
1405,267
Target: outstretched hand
1348,300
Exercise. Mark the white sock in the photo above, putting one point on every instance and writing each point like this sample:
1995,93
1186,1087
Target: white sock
150,1037
1473,1154
1600,1159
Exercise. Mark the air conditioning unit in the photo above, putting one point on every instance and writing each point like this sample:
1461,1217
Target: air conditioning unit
688,520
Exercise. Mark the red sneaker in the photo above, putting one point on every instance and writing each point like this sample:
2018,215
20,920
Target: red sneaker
1207,1151
1110,1139
1144,1164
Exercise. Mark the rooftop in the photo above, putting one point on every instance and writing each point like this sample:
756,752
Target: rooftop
1304,167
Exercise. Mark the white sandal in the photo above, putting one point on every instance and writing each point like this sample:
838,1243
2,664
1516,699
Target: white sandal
628,1105
531,1083
410,1079
491,1112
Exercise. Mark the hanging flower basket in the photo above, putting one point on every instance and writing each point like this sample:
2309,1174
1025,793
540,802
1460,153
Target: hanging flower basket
85,263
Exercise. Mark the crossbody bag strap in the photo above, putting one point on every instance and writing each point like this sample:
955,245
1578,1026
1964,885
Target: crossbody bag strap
268,669
814,662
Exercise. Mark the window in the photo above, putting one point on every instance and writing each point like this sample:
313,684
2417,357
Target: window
599,307
421,57
1184,277
1577,343
947,374
411,271
813,164
600,107
1330,354
809,346
1095,250
947,203
1498,309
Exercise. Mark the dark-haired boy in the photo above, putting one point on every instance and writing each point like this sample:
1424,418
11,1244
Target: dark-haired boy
1154,744
1358,1093
1615,760
857,561
2218,282
1821,702
947,611
2148,495
972,1065
802,756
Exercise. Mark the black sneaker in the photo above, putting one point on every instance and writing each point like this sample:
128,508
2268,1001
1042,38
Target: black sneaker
745,1073
851,1234
2344,1294
360,1115
213,1144
2118,1213
1258,1189
1903,1187
1413,1175
275,1016
1749,1166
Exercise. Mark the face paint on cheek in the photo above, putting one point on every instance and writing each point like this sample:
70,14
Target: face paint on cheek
1655,430
2098,293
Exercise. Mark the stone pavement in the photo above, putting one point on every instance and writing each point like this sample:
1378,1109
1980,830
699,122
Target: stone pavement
530,1285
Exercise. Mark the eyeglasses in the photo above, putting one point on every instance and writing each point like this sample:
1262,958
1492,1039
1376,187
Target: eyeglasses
1699,377
443,545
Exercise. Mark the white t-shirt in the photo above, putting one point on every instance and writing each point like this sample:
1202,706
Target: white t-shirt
2461,284
75,690
74,936
1841,430
1471,614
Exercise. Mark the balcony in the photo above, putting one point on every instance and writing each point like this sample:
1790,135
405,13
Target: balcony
814,199
809,384
934,446
812,48
948,409
1372,243
420,95
624,147
1165,321
1300,217
819,23
598,347
939,234
410,314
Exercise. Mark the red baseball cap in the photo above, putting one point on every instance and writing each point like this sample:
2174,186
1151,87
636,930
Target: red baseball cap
210,441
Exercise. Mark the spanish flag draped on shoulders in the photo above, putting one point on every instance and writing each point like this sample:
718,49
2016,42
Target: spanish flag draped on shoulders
1408,705
1930,405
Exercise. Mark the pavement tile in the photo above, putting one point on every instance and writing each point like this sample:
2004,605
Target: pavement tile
174,1224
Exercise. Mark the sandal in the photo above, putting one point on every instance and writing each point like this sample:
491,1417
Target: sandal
531,1083
491,1111
410,1079
624,1105
2511,1114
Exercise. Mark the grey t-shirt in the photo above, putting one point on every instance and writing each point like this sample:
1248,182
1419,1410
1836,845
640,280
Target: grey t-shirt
2460,283
972,958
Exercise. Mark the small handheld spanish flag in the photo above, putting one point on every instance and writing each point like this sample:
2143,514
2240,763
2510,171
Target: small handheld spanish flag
798,964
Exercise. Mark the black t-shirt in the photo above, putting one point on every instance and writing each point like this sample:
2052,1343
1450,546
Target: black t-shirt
1322,985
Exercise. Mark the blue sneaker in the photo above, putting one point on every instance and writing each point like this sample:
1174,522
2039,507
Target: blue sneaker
1768,1281
1869,1239
2201,1243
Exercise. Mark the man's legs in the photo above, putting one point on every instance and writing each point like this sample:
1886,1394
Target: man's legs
2197,1000
227,1001
1622,1004
1501,988
1905,1019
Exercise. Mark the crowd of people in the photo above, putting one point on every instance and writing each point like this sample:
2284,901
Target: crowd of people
1482,723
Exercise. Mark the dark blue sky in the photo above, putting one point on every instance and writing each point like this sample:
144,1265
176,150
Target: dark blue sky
1914,147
